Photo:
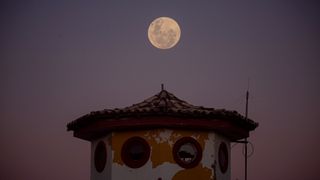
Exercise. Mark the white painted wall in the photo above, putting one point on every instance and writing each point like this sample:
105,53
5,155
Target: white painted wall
227,174
106,173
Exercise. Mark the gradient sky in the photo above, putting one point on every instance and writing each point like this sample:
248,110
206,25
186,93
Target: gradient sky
62,59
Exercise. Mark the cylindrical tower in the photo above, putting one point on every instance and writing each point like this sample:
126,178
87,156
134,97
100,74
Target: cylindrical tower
161,138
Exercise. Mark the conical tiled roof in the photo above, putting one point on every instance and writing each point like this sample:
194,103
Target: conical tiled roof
163,104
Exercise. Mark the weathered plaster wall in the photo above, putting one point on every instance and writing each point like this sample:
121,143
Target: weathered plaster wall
161,163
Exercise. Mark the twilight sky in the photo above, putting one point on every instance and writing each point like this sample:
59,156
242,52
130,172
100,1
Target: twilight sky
62,59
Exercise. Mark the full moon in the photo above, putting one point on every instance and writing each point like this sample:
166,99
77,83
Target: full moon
164,33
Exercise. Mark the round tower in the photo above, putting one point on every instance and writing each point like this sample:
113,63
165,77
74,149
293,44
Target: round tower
161,138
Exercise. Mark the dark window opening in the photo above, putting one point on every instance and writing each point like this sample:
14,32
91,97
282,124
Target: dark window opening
187,152
223,157
135,152
100,156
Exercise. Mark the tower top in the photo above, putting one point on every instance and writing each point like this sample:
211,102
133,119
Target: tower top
162,110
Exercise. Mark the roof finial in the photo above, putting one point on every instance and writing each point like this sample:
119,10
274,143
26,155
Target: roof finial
162,87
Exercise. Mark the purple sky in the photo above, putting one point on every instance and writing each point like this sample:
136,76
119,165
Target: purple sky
62,59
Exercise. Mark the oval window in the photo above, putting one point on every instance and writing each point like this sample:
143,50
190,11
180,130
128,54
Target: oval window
135,152
223,157
100,156
187,152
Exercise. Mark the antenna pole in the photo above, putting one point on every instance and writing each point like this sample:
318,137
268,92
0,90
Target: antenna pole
246,142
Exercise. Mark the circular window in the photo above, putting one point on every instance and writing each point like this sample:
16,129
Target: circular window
187,152
100,156
223,157
135,152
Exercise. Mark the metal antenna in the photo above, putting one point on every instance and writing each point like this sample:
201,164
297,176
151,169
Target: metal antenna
162,87
246,142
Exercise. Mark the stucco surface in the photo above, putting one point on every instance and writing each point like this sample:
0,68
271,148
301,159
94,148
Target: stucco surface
161,163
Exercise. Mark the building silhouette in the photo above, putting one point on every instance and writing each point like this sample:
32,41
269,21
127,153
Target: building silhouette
161,138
